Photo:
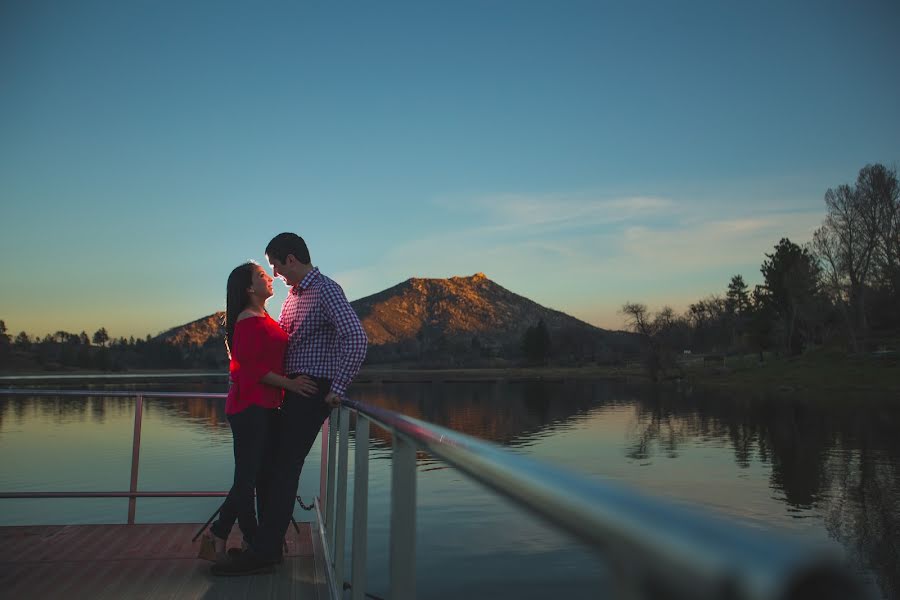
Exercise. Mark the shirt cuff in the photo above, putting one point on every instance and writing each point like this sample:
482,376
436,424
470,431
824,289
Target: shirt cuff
339,387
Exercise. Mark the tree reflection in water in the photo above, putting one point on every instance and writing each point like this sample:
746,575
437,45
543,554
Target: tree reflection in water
840,457
837,457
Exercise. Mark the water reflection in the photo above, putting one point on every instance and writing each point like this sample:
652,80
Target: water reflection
509,414
840,460
835,463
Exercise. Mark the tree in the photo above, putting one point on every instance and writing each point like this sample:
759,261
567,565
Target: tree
64,337
536,343
879,192
737,307
791,276
101,337
737,298
23,342
760,322
4,338
708,319
858,247
846,245
656,330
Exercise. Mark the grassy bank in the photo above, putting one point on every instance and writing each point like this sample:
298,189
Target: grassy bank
818,370
383,374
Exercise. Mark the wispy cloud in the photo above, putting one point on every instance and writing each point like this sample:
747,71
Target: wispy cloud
587,256
513,212
703,244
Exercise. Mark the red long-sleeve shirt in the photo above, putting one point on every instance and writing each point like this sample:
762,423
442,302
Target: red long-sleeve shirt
257,348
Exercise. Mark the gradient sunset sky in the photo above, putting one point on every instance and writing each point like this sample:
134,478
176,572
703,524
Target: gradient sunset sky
582,154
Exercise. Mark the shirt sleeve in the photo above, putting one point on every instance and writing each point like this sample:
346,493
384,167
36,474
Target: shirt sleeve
351,337
249,341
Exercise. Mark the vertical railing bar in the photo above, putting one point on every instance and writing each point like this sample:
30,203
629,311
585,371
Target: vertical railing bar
332,463
323,464
360,509
340,521
135,455
403,520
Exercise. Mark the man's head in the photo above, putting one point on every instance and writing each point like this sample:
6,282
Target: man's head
289,257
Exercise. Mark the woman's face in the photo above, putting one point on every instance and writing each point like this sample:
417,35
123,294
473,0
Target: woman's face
260,283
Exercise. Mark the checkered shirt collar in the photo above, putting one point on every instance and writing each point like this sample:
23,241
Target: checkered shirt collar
306,281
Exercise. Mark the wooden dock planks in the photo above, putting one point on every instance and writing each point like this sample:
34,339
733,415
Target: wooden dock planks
152,561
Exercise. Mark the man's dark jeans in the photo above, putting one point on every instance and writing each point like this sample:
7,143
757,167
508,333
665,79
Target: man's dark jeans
295,430
251,429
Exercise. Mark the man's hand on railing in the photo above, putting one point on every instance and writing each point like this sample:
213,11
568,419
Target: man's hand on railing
333,400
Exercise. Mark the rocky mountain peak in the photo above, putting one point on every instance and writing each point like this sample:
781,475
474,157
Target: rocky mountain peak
441,319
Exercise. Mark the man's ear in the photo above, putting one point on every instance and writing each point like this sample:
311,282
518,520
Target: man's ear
289,258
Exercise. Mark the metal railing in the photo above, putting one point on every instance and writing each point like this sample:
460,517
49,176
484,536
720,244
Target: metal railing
655,549
133,493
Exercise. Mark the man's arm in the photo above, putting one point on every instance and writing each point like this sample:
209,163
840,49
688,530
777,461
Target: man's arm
352,340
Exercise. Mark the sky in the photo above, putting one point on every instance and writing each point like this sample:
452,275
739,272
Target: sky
582,154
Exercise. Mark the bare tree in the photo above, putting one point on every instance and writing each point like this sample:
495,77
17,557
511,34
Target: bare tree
655,330
827,247
858,244
879,191
849,216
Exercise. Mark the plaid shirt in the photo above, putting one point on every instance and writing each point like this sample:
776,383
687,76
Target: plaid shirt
326,338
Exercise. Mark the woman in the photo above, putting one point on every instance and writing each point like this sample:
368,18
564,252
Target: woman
255,344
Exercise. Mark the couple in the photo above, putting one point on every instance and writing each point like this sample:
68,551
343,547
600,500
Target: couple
286,376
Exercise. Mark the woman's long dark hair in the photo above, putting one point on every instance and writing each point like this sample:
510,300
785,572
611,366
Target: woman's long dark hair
236,298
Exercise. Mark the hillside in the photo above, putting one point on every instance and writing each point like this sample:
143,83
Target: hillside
196,333
447,322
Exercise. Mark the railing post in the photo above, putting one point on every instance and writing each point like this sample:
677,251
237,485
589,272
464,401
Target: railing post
135,455
332,463
340,521
403,520
360,508
323,464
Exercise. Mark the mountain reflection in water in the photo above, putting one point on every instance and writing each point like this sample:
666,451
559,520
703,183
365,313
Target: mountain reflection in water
829,468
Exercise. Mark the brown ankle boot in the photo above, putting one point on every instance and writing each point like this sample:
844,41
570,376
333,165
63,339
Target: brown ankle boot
212,548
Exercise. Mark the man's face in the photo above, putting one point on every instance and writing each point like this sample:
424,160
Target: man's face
284,270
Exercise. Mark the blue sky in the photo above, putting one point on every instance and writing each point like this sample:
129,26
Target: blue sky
582,154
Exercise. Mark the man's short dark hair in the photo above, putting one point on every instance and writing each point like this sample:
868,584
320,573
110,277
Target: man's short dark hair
288,243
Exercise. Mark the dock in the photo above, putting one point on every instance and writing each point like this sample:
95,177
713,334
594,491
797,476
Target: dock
152,561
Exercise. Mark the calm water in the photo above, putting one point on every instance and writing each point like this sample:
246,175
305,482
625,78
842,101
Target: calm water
826,470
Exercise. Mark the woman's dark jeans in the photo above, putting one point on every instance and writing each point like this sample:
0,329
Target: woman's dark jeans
251,429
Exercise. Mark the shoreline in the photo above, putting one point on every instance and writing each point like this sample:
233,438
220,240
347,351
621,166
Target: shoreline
818,373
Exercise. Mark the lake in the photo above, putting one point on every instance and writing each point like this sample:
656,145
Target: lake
824,469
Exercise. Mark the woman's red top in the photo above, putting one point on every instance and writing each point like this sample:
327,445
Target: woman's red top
257,348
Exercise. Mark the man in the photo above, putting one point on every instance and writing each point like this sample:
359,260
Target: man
326,342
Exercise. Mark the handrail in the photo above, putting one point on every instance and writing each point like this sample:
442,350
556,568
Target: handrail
133,493
656,548
109,393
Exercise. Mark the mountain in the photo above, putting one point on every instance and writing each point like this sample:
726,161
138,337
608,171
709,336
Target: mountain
460,321
196,333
